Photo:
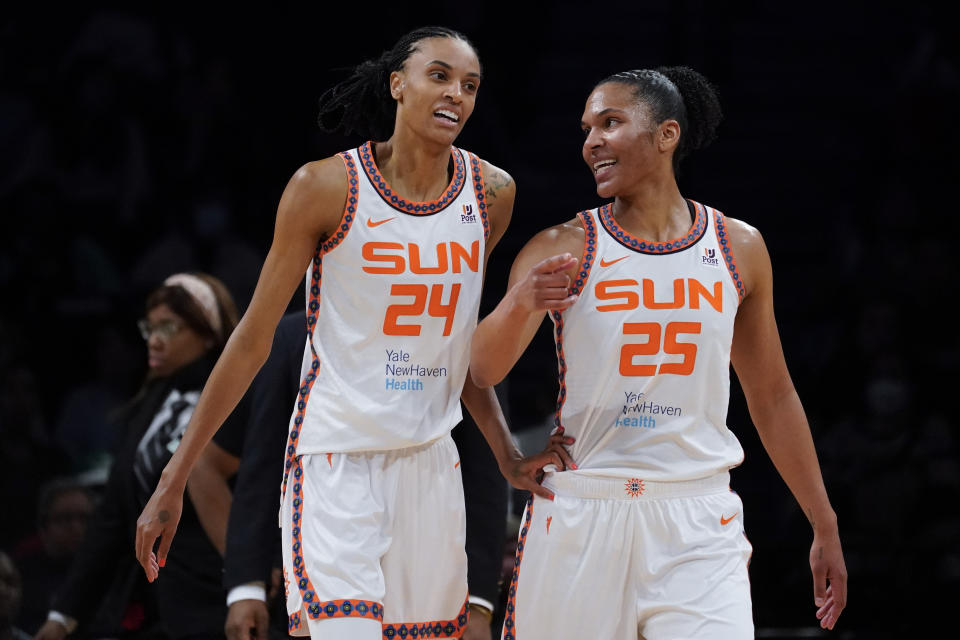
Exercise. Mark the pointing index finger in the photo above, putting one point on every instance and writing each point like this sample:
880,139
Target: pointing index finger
560,262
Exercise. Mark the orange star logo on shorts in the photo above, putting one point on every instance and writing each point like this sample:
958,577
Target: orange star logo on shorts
549,520
633,487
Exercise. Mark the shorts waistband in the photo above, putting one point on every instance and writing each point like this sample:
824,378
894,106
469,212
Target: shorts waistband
633,488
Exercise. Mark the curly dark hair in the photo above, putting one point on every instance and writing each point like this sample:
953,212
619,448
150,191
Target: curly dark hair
362,103
681,94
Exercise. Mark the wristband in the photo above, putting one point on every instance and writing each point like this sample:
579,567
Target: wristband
482,610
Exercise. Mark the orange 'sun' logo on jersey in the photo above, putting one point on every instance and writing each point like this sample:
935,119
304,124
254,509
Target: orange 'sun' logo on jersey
394,258
622,295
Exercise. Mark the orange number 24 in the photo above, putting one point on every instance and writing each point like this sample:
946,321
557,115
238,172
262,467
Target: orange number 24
430,299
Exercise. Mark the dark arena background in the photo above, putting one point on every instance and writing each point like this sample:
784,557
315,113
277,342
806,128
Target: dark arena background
134,144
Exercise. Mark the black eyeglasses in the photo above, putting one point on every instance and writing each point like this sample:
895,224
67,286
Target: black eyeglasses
165,330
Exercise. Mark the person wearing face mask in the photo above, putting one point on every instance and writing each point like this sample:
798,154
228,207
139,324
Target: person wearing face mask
652,297
394,237
188,320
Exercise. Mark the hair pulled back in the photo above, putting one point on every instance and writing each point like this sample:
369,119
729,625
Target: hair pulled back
681,94
184,305
362,103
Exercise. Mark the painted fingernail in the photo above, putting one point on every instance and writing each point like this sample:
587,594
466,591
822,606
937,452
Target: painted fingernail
163,562
573,466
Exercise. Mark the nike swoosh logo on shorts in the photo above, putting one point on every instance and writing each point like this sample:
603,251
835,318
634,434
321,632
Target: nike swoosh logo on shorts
604,263
726,521
376,223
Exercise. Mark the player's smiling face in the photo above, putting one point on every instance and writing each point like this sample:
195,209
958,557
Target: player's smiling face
619,147
437,88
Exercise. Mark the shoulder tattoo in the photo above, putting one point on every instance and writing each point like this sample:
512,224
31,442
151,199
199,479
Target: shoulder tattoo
494,183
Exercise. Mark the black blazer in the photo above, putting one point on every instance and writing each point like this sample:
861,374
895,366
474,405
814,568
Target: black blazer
253,537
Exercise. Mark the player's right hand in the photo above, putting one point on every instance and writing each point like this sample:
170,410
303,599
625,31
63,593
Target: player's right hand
51,630
247,620
546,287
158,520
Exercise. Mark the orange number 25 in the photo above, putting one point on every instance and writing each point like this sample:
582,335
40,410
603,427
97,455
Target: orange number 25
653,331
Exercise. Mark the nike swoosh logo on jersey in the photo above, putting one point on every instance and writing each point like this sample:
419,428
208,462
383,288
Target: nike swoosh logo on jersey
376,223
726,521
604,263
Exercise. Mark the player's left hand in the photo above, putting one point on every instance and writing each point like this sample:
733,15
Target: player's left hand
526,473
829,576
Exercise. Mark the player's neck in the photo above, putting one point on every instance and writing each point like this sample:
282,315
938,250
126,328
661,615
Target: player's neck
416,172
654,211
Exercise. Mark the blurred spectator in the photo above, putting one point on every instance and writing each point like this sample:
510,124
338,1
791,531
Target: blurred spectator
105,594
26,452
10,596
64,508
86,428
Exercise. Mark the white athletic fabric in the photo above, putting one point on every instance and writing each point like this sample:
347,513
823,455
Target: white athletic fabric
658,413
599,562
395,269
385,531
372,508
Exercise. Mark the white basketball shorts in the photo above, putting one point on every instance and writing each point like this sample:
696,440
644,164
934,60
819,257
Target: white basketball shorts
622,559
373,544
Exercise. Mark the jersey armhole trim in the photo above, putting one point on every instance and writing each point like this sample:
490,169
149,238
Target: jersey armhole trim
589,252
479,189
726,248
349,207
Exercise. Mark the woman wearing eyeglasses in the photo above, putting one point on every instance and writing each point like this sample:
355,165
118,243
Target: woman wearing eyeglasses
188,320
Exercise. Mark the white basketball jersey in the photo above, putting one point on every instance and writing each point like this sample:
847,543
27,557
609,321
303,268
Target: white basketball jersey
392,301
644,353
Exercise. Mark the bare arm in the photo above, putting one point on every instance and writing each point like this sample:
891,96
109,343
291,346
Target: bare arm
778,415
482,403
207,486
539,282
311,206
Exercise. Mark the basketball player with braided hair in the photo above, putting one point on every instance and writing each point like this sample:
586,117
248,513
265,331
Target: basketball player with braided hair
394,237
652,297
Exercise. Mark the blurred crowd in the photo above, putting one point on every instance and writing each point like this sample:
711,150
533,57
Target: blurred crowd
129,154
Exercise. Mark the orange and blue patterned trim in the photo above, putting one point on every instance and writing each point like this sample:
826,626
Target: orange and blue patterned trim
510,622
316,608
365,151
589,251
292,462
478,191
630,241
436,629
586,262
313,307
349,209
727,249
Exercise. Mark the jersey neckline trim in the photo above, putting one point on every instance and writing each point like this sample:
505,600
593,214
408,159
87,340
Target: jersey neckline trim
385,191
632,242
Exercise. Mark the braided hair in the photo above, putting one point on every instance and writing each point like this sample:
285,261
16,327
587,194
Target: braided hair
362,103
677,93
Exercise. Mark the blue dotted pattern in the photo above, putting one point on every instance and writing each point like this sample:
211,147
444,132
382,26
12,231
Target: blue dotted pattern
586,262
436,629
509,622
727,250
643,246
416,208
478,190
